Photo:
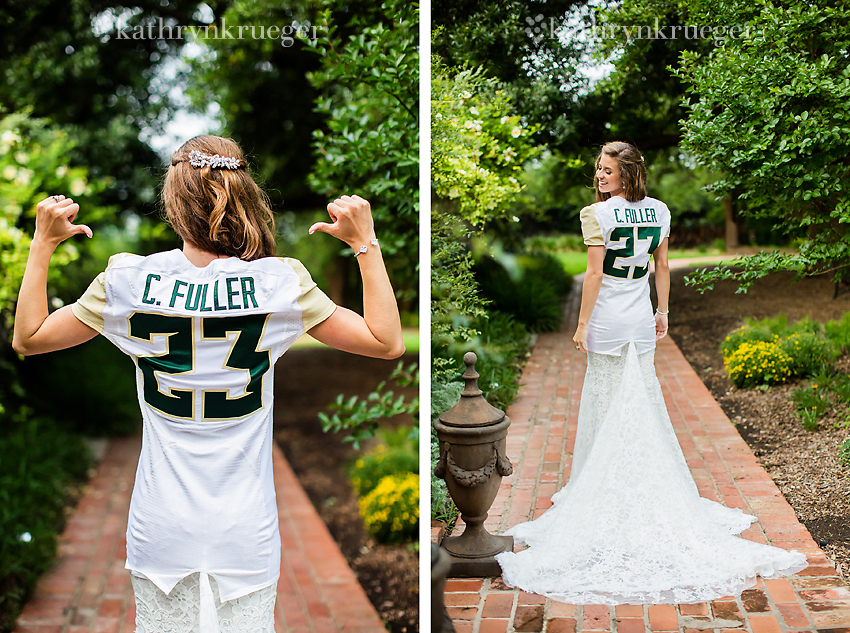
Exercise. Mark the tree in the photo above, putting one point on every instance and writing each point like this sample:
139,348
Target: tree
545,73
333,111
266,102
770,110
640,100
368,86
479,144
70,64
478,147
517,43
33,163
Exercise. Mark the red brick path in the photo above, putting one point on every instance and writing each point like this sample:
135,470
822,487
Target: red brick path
88,590
540,445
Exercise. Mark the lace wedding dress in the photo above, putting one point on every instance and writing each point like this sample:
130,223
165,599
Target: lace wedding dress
193,606
630,526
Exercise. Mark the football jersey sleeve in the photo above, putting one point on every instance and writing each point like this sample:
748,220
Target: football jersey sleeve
315,305
590,228
89,307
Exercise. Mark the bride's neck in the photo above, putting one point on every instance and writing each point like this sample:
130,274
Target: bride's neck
198,257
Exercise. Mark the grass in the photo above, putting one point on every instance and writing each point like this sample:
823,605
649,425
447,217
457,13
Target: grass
683,253
576,263
573,263
410,335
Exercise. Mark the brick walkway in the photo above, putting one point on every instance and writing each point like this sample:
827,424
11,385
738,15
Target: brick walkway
88,590
540,444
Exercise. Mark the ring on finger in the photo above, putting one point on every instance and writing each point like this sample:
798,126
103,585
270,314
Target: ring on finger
57,198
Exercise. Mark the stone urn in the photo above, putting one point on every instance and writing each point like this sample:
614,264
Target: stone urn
472,436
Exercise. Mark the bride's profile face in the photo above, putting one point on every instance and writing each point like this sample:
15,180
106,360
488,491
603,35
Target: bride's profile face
608,176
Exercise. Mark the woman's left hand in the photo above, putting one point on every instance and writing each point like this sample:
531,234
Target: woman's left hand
352,221
660,326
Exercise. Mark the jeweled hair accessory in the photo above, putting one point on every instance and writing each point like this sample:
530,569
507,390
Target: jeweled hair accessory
199,159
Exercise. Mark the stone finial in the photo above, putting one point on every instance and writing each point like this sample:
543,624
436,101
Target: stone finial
470,377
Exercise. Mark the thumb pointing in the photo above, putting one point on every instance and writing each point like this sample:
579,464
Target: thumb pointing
82,228
322,227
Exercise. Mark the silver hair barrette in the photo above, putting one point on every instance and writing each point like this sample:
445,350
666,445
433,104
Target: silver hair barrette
199,159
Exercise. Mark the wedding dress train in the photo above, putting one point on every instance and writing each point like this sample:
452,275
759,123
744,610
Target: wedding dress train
630,526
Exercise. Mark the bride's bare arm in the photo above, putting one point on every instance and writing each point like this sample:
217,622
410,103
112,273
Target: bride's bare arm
589,293
378,332
36,331
662,288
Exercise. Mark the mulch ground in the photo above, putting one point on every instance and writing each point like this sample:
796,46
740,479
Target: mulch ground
388,573
804,465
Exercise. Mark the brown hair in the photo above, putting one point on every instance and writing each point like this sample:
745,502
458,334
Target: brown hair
218,210
632,171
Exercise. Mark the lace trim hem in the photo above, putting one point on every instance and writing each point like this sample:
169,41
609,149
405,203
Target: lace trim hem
183,609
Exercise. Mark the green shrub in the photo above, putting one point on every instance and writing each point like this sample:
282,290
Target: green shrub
805,347
40,464
746,334
443,508
360,416
391,511
444,395
502,337
813,398
825,378
499,382
844,453
383,460
810,419
758,362
534,297
838,333
501,348
806,324
812,402
840,386
406,437
501,344
809,352
103,389
560,243
548,269
505,343
768,329
775,325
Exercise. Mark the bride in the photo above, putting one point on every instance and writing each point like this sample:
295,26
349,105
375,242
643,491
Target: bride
630,526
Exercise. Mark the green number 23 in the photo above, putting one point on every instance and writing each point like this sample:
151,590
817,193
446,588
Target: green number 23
180,359
630,233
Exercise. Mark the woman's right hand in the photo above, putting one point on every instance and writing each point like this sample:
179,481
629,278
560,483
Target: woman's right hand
53,221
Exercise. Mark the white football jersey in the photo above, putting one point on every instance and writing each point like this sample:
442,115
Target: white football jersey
204,341
630,233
